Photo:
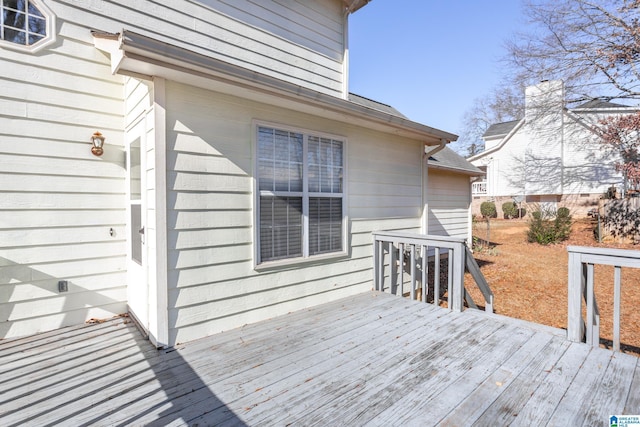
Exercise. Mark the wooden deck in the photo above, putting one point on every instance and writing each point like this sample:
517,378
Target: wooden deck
372,359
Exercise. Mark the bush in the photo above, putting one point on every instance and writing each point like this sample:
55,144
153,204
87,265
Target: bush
510,210
488,210
563,213
547,227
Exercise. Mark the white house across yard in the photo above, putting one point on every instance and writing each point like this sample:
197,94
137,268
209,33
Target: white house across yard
552,156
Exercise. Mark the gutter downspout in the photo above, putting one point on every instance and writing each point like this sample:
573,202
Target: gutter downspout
443,143
425,181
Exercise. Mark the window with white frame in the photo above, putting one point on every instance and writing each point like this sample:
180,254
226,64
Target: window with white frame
301,196
25,25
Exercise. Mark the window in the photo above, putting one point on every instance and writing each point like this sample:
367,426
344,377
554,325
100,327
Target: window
301,196
25,25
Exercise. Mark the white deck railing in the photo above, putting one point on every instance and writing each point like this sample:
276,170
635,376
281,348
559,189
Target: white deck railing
581,285
403,259
479,187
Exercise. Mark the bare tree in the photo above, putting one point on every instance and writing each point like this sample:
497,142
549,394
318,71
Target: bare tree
501,105
592,45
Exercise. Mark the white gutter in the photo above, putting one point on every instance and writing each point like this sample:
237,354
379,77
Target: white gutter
428,153
137,54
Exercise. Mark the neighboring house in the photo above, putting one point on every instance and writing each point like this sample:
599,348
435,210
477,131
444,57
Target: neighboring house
552,156
239,179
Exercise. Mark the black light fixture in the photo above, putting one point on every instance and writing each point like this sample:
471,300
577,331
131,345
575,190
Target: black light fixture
97,141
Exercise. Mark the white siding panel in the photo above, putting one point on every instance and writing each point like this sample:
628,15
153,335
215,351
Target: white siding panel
53,165
61,235
62,184
189,220
449,201
212,282
312,23
58,202
296,48
211,237
32,218
53,271
209,201
53,200
22,290
205,164
64,303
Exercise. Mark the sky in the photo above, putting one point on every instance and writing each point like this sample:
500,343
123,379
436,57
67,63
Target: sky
430,59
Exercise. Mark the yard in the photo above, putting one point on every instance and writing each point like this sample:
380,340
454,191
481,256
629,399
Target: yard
529,281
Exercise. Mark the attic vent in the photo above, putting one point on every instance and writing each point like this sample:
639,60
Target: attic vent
26,25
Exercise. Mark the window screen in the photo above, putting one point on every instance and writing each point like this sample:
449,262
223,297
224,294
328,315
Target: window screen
300,183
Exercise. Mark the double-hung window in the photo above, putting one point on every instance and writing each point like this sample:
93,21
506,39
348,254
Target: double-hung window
300,178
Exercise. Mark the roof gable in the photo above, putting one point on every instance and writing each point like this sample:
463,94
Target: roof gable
597,104
450,160
375,105
500,129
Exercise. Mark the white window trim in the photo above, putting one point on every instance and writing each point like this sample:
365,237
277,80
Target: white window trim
50,22
306,258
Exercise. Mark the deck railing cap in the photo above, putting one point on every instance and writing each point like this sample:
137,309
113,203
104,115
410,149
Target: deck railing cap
418,236
619,253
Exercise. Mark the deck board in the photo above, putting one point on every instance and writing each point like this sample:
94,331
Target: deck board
371,359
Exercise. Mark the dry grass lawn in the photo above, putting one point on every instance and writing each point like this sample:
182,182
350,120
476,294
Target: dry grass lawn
529,281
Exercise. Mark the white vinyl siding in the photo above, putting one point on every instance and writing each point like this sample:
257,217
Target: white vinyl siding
449,197
212,161
300,194
62,209
298,42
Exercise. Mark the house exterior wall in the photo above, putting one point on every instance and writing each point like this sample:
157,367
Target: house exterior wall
213,285
506,170
298,42
555,157
58,202
64,211
449,196
582,166
588,167
544,130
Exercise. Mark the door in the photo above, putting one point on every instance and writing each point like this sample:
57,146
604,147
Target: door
137,286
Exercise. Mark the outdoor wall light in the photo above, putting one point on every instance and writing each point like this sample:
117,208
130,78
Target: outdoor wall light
97,141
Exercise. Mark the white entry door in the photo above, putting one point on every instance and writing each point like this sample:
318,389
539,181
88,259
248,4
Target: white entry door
137,286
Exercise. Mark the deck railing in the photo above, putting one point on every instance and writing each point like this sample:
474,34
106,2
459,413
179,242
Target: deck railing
581,286
478,188
405,258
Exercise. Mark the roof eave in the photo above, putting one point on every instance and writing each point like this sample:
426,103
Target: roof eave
352,6
144,56
605,110
456,170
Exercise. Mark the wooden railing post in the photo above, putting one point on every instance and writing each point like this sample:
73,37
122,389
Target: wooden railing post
581,287
574,322
457,269
377,265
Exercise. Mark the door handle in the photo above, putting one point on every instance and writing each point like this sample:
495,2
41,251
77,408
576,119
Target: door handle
141,232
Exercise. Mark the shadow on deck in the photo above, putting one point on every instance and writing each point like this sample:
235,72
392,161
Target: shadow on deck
369,359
